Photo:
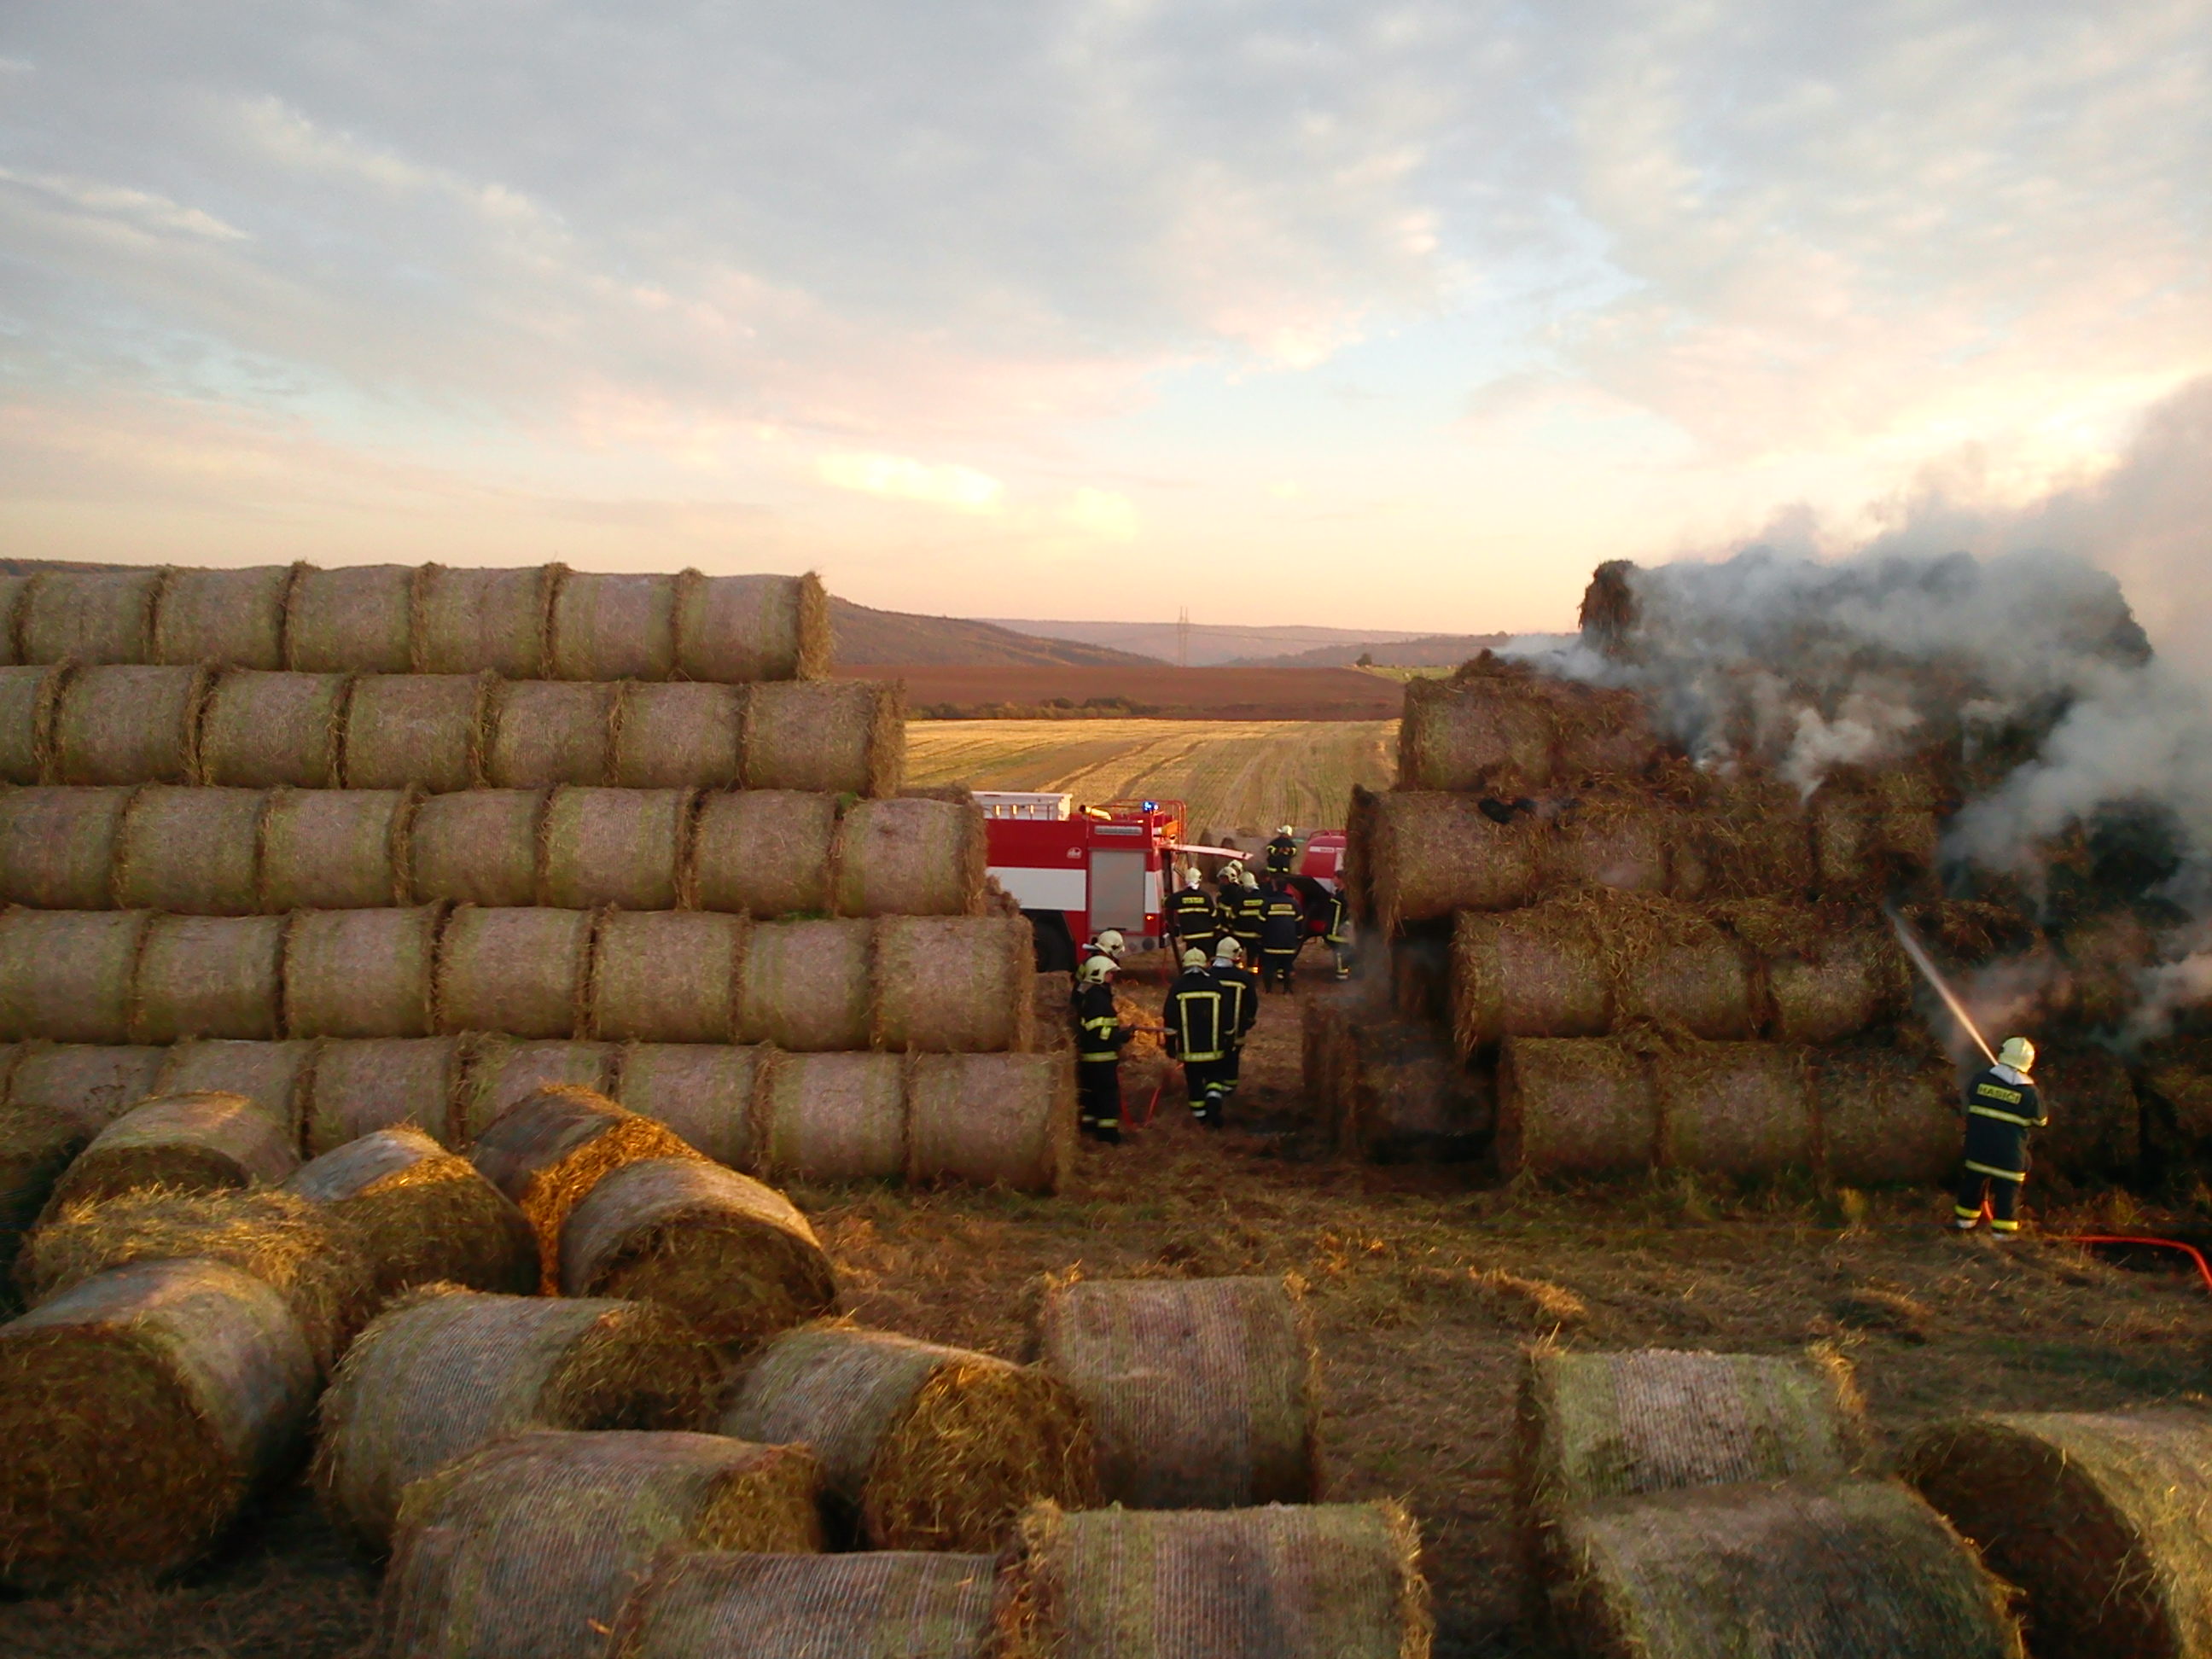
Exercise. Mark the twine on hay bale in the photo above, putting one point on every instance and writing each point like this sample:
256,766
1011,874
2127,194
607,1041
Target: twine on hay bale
65,975
478,847
1481,734
992,1120
666,976
356,1088
621,847
530,1546
732,630
1203,1394
503,1072
1430,853
276,1076
89,616
735,1258
335,849
953,984
28,700
422,1215
1735,1108
58,847
834,1116
126,725
138,1414
198,1143
922,1447
210,976
472,620
1887,1117
806,985
193,851
910,856
764,853
920,1604
678,734
225,618
614,627
704,1091
359,620
443,1371
549,731
840,736
1325,1581
266,731
2098,1517
416,731
361,973
522,970
1575,1106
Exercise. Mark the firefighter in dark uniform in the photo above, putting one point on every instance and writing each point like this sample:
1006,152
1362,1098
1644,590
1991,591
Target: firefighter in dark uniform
1282,931
1242,987
1251,916
1336,928
2001,1106
1099,1037
1282,852
1197,1016
1191,916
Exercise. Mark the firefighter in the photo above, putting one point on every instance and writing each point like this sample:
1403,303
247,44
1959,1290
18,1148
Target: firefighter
1099,1037
1283,851
1109,945
1251,914
1336,928
1198,1024
1241,985
1282,931
1191,915
2001,1106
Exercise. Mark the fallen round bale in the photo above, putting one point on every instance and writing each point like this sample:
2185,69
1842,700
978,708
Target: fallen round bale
704,1091
2098,1517
416,731
128,724
732,630
666,976
838,736
549,731
198,1143
529,1545
764,853
422,1215
1887,1117
441,1372
1485,733
503,1072
477,619
1202,1393
276,1076
1735,1108
195,852
65,975
614,627
1429,853
1575,1106
678,734
476,846
621,847
335,849
953,984
806,985
917,1604
89,616
208,976
992,1120
523,969
225,618
834,1116
58,847
359,620
138,1414
28,700
910,856
272,731
358,1087
735,1258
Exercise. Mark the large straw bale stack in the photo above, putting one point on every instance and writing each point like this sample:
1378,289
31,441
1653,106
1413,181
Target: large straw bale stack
1614,840
731,629
360,620
678,734
473,619
522,970
917,1604
1671,966
735,1258
704,1091
359,1087
1750,837
2105,956
265,731
764,853
1886,1116
1872,834
129,725
65,975
335,849
910,856
58,847
361,973
503,1072
529,1545
805,985
200,1143
1334,1581
834,1116
549,731
666,976
276,1076
992,1120
138,1414
1486,733
477,847
193,851
443,1372
1736,1109
226,618
422,1215
2100,1519
840,736
1203,1394
1402,1094
89,1084
28,699
1824,972
1575,1106
621,847
2095,1129
208,976
953,984
614,627
1429,853
416,731
89,616
922,1447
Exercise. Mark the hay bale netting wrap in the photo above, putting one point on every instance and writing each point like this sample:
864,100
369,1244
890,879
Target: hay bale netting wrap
522,970
126,725
360,620
1202,1393
922,1446
549,731
475,619
416,731
477,847
58,847
444,1371
834,1116
137,1412
840,736
196,852
704,1091
953,984
1431,853
422,1215
1860,1571
915,1603
1486,733
993,1120
89,616
1736,1109
1575,1106
203,1142
732,630
1533,972
735,1258
230,618
28,699
666,976
530,1545
65,975
271,731
614,627
1322,1581
2100,1519
503,1072
360,1086
806,985
764,853
335,849
910,856
678,734
208,976
623,847
1887,1117
276,1076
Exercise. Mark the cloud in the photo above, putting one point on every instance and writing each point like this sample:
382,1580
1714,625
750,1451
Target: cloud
1103,513
960,487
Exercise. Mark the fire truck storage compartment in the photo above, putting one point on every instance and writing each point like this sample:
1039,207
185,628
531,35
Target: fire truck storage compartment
1117,891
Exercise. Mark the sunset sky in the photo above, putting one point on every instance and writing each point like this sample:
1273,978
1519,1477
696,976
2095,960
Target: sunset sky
1374,314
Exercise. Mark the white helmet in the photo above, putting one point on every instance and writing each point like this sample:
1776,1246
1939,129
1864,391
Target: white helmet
2018,1052
1194,957
1095,970
1285,829
1226,951
1189,878
1250,880
1111,942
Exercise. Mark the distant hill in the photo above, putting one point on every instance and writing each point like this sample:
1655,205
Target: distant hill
865,638
1210,644
1430,651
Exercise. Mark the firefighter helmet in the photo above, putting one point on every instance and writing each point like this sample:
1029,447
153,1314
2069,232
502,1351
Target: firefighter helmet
2018,1052
1111,943
1227,950
1095,970
1194,957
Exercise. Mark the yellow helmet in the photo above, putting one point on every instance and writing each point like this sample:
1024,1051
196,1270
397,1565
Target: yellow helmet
2018,1052
1095,970
1194,957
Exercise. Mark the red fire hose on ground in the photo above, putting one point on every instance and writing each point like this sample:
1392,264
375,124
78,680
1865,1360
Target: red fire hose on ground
2196,1255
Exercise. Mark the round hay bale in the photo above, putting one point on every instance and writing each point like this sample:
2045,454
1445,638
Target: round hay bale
65,975
1860,1568
1319,1581
422,1215
479,847
666,976
621,847
475,620
522,970
736,1258
274,1076
1751,837
910,856
1408,1098
357,621
839,1116
1575,1106
225,618
704,1091
614,627
13,588
138,1414
1622,842
913,1602
839,736
125,724
1735,1108
922,1447
503,1072
1537,972
1668,966
678,734
1887,1117
335,849
36,1147
549,731
58,847
1202,1393
1482,734
90,616
198,1143
1825,972
88,1084
805,985
267,731
443,1372
2095,1130
1430,853
361,973
994,1119
358,1088
731,629
208,976
764,853
529,1545
28,699
2099,1518
195,852
417,731
953,984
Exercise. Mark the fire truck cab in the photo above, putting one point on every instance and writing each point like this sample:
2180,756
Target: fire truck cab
1075,871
